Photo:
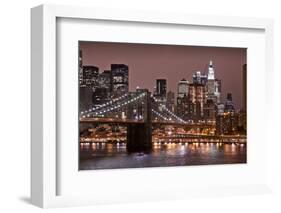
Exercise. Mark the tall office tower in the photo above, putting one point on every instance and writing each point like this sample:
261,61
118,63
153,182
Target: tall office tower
219,119
171,101
161,87
102,93
183,88
231,121
184,109
227,122
220,109
182,100
161,91
104,80
210,111
119,79
220,128
199,78
90,76
218,90
245,87
213,85
196,97
229,105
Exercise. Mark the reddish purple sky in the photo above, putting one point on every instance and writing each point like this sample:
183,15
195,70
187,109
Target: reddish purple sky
147,62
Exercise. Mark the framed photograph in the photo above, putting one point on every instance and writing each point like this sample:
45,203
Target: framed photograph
155,105
149,106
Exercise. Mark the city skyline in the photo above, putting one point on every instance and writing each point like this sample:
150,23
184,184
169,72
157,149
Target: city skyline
150,108
186,61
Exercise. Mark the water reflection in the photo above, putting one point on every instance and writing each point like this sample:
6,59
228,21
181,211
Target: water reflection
110,156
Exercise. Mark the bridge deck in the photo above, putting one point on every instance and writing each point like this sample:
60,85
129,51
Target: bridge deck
129,121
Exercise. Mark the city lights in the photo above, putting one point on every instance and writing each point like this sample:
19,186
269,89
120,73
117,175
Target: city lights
161,121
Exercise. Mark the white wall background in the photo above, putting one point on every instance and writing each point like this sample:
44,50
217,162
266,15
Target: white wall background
15,104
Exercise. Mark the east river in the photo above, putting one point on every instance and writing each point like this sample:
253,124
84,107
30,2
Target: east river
113,156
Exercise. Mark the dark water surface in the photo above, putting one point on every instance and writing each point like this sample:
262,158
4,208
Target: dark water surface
111,156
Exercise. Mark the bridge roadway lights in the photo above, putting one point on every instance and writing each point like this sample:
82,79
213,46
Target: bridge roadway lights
139,137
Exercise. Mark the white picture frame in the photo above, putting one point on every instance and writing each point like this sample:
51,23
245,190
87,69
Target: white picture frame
45,170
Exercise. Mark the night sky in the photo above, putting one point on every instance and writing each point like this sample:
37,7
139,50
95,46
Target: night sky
147,62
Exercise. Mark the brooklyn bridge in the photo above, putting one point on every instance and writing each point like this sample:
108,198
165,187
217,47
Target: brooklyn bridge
140,113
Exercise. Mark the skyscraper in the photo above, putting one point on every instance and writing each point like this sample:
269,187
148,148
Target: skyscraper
90,76
210,111
218,89
102,93
229,105
160,92
227,122
183,88
199,78
171,101
119,79
184,107
220,109
161,87
104,80
213,85
196,97
182,99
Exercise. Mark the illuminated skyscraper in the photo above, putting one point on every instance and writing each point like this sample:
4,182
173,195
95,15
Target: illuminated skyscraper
199,78
161,90
196,97
210,111
182,99
102,93
90,76
119,79
104,80
229,105
184,107
213,85
171,101
183,88
161,87
227,122
220,109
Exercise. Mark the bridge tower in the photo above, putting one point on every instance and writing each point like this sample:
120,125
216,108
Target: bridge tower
139,135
